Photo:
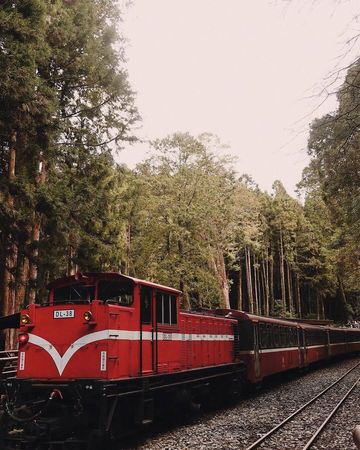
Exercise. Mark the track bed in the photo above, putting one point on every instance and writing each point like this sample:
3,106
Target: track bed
237,427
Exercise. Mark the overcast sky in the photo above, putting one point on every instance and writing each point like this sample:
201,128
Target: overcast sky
245,70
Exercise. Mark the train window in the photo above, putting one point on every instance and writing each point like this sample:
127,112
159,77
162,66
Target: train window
337,336
263,335
166,311
283,336
145,300
275,336
173,309
75,293
295,338
353,336
289,337
270,336
116,292
315,337
266,335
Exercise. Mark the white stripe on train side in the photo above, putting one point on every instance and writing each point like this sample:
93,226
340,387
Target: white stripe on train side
123,335
129,335
283,349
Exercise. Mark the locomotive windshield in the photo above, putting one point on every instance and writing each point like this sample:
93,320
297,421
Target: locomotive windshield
116,292
75,293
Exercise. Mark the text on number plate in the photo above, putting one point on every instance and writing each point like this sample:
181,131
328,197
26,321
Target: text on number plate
64,314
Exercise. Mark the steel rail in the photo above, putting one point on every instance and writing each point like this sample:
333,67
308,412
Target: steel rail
298,411
326,421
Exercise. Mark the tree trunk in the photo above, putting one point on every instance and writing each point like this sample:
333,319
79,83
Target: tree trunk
23,277
218,264
282,274
185,295
272,294
317,305
240,296
72,268
128,249
257,310
265,272
33,271
249,280
298,296
9,286
262,288
35,239
290,296
182,285
343,298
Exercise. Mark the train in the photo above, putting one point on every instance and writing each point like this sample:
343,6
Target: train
108,351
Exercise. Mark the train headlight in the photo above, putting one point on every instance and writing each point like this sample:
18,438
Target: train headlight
88,316
25,319
23,338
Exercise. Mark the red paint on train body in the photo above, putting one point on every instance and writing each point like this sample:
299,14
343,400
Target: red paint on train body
135,329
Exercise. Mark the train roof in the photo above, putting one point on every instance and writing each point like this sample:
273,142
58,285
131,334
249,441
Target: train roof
242,315
313,321
235,314
111,276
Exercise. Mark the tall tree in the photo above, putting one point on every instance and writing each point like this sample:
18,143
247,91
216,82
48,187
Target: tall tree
334,174
182,224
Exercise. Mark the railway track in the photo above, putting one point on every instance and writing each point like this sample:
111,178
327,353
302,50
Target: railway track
266,438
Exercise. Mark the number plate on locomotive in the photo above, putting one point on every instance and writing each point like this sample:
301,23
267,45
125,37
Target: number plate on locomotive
64,314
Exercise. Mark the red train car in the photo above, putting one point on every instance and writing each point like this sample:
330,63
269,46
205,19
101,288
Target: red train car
314,343
266,345
269,345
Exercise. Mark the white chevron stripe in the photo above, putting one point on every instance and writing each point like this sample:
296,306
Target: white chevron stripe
123,335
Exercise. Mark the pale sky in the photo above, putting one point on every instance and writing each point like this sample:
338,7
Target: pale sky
245,70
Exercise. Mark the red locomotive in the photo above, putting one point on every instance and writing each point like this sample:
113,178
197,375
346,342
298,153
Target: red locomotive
107,349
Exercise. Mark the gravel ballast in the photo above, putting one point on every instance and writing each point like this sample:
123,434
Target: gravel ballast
238,426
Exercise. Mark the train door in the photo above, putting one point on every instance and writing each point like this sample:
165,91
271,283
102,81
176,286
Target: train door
257,350
302,347
147,332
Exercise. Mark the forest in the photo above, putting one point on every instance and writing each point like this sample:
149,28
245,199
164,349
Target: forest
183,217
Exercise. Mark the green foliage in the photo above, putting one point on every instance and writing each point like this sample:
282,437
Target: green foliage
332,183
278,310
